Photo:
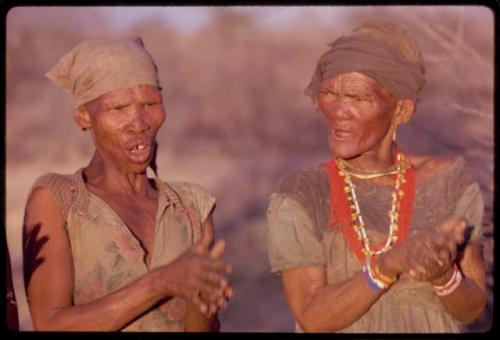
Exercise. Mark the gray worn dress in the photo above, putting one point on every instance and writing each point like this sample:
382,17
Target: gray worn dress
299,236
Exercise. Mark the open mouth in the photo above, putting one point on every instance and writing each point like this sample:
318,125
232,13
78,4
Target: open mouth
341,134
139,147
139,153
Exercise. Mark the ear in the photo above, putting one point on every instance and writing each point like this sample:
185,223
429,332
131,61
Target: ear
82,117
404,111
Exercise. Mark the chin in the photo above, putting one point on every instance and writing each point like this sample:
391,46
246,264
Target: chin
135,169
344,151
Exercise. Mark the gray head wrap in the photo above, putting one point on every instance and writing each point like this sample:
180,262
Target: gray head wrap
370,54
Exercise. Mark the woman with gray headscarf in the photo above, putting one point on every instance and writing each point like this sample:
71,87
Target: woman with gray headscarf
108,248
375,239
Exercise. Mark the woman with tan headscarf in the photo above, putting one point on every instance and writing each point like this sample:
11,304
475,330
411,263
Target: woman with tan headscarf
107,248
375,239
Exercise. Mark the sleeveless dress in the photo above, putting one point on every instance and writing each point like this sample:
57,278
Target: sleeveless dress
107,256
299,236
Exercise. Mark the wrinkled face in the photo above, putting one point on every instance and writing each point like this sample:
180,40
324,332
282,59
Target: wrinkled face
358,111
124,124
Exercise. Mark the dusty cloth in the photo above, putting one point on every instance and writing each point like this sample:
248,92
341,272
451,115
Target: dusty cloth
107,256
95,67
299,235
366,53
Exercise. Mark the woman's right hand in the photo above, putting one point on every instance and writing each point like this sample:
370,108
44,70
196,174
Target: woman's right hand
198,275
426,254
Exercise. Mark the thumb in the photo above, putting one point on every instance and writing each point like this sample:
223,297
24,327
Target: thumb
217,250
449,225
202,246
459,230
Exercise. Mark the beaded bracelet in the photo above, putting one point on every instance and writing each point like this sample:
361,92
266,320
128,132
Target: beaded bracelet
376,280
451,285
377,274
371,282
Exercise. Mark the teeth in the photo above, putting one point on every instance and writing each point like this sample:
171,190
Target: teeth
139,147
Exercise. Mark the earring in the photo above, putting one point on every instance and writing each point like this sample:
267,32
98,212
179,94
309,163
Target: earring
395,129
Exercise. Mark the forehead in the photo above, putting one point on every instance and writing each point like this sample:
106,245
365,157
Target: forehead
123,97
354,81
132,92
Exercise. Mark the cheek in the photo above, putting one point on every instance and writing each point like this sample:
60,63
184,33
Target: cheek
106,133
377,127
156,118
160,118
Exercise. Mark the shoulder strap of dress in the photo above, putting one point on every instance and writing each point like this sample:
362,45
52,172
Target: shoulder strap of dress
187,212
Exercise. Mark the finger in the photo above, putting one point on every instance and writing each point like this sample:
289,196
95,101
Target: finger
213,309
221,303
228,292
437,249
216,280
207,234
216,265
202,246
417,270
210,295
196,300
458,231
444,257
448,225
217,250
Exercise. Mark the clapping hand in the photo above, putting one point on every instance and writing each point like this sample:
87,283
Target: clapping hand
199,275
215,299
427,254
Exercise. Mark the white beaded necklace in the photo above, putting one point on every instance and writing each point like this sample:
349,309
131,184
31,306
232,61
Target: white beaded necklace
359,225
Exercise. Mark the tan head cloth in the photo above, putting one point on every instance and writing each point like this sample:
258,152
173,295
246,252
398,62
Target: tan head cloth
380,50
96,67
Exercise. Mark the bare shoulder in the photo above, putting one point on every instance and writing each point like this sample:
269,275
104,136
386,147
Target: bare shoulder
42,206
428,166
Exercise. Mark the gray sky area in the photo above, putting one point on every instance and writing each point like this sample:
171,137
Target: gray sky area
193,17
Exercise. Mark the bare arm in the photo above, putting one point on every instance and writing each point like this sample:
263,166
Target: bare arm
49,287
319,307
468,300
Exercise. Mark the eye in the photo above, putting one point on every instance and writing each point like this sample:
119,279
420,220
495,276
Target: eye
325,92
362,99
152,103
118,108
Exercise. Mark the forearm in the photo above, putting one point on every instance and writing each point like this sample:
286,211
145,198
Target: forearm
334,307
196,321
109,313
466,302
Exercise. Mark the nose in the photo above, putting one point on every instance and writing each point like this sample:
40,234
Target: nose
138,121
340,110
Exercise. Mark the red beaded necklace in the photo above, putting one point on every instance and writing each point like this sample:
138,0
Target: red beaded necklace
342,215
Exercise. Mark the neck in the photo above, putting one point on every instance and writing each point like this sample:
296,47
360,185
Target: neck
103,174
378,160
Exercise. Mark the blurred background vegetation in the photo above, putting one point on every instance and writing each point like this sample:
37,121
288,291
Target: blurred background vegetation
237,119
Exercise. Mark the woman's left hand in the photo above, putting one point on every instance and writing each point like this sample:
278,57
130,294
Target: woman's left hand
442,240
